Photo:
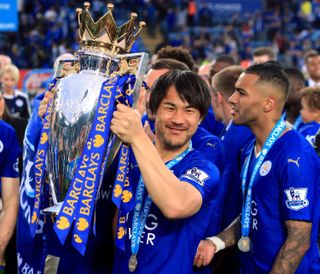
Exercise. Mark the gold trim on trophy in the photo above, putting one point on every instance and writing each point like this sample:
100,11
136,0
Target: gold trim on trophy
104,35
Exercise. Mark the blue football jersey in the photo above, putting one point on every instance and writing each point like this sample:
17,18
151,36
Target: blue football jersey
29,250
169,246
229,200
309,131
286,187
9,151
210,146
210,123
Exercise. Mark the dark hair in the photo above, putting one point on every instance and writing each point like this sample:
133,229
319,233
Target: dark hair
295,73
169,64
190,87
226,58
312,96
271,72
260,51
177,53
225,80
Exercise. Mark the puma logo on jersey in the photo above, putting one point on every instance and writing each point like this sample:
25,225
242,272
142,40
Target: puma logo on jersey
294,161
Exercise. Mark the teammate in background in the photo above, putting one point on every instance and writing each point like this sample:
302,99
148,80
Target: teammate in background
234,139
16,101
181,184
310,113
177,53
293,104
9,178
209,145
312,63
263,54
222,61
280,184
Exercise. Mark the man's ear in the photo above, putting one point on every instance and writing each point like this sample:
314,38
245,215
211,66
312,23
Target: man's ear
269,104
220,98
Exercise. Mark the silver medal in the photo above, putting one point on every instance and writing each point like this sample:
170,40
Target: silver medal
133,262
244,244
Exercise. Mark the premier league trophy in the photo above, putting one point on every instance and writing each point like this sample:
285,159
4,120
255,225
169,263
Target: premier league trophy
76,145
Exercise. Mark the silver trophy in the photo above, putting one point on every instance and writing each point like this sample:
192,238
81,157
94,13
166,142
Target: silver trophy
103,53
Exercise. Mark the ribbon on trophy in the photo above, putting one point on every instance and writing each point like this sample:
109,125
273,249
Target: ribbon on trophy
79,203
39,163
122,190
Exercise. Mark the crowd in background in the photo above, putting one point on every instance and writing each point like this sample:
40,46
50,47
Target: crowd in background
284,32
49,28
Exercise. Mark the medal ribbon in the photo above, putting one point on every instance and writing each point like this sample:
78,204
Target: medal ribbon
39,163
247,197
140,213
78,205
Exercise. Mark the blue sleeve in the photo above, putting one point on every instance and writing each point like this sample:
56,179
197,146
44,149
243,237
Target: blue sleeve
298,186
204,178
11,152
213,150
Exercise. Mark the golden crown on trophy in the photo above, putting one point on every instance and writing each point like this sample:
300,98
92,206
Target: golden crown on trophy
104,35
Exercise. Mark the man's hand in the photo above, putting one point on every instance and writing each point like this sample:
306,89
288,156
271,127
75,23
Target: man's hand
44,103
205,253
126,123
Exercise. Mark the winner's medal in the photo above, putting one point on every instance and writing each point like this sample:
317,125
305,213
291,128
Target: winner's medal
244,244
133,262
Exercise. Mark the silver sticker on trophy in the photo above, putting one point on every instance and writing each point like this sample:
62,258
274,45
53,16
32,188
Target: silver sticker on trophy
104,53
244,244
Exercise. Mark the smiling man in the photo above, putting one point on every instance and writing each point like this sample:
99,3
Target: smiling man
167,223
277,231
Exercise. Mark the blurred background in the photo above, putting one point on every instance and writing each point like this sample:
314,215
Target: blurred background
34,32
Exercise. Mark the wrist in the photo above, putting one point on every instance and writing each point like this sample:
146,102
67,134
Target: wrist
219,244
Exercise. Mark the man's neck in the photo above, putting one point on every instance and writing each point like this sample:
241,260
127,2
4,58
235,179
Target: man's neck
169,154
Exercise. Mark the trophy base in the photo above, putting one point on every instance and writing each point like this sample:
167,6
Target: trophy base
55,209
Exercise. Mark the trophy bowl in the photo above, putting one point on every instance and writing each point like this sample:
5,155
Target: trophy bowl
103,54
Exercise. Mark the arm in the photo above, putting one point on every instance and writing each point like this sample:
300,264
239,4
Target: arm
175,199
9,211
208,247
294,248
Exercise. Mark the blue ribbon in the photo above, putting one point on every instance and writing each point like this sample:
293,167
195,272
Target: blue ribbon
39,164
79,204
141,211
122,190
247,196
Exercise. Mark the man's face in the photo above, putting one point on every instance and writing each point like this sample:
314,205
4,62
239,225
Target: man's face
261,59
313,67
216,107
294,96
175,121
246,102
218,66
150,79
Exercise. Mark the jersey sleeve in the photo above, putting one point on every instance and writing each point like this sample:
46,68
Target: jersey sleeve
205,178
10,154
298,186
